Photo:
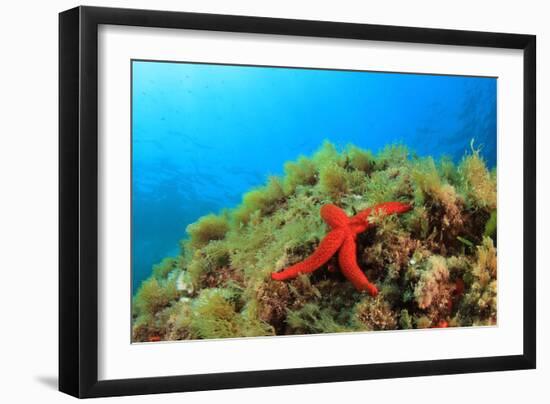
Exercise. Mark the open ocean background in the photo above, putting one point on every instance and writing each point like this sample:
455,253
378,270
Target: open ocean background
202,135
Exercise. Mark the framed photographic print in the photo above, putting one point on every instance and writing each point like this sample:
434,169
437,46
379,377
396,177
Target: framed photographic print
250,201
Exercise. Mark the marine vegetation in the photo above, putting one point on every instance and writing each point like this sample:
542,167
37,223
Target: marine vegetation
346,240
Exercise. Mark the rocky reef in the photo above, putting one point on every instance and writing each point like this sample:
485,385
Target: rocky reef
434,266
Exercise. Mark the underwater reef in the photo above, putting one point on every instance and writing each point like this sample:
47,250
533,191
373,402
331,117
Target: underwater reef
433,265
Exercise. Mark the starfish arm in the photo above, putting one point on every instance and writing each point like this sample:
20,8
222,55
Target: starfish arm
326,249
390,208
334,216
361,217
360,222
385,209
347,259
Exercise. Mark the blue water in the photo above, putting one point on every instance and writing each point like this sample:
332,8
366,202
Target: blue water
205,134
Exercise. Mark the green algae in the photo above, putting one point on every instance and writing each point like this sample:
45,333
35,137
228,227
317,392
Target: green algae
215,315
334,180
162,270
206,229
436,263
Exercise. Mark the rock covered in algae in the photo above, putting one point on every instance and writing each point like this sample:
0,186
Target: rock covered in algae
434,265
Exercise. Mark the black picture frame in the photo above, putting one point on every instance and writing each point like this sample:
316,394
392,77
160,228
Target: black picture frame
78,200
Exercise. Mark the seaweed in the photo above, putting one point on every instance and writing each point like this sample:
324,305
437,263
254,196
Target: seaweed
435,265
333,180
206,229
362,160
375,314
153,296
478,183
215,315
301,172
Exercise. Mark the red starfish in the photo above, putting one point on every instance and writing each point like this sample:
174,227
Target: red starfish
342,237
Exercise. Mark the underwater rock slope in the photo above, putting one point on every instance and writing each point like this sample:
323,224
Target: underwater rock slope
434,266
